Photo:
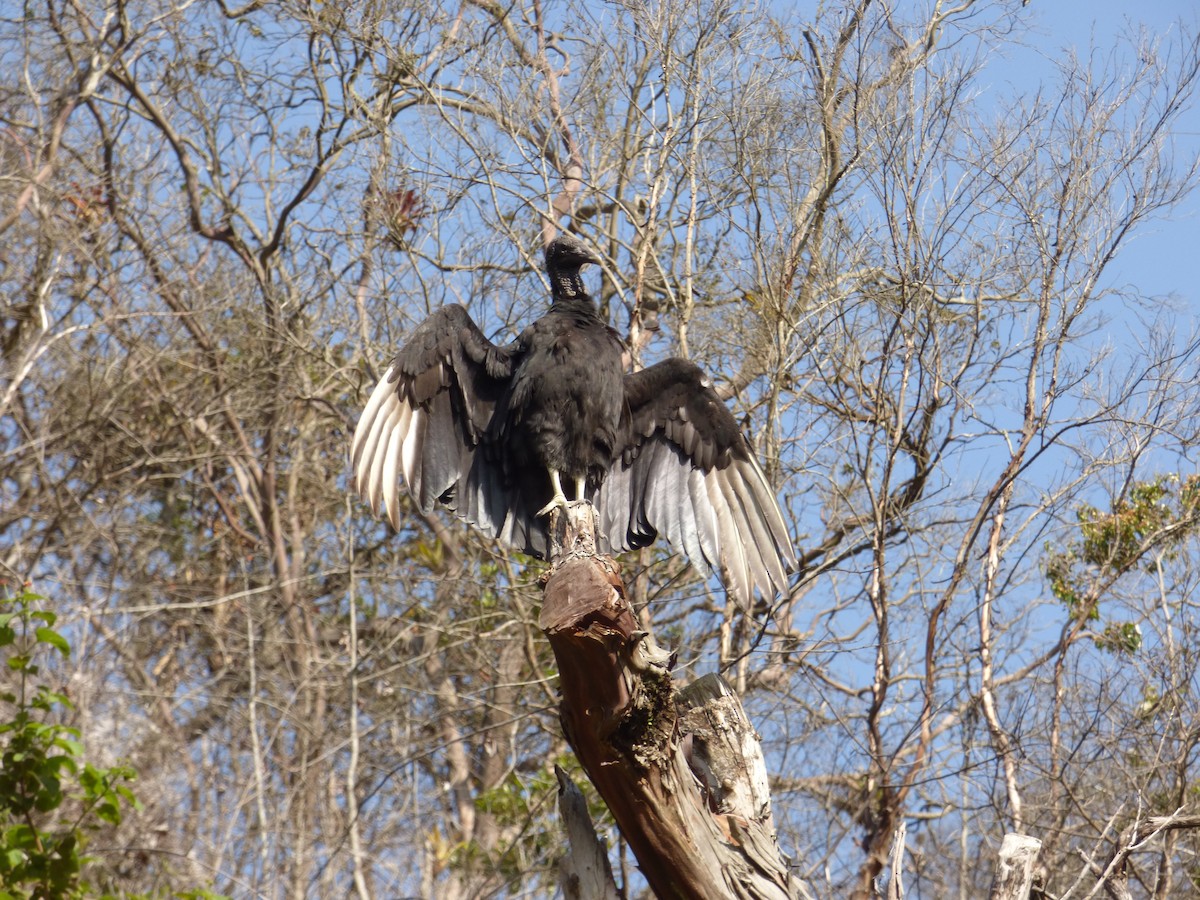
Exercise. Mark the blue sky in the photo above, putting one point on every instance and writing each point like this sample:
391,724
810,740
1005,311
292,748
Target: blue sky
1164,259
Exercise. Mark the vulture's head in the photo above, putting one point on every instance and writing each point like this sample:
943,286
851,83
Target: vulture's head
567,252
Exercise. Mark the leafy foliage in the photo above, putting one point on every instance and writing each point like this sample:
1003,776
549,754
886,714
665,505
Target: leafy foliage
52,800
1154,516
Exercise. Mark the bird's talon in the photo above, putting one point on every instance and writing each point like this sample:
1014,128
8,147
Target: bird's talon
559,502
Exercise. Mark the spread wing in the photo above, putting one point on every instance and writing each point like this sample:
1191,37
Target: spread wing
686,470
425,420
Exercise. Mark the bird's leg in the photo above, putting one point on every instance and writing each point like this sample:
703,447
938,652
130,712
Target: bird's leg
580,482
558,498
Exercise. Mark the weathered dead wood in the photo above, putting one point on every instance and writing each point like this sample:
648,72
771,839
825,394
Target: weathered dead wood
584,872
895,889
687,785
1014,868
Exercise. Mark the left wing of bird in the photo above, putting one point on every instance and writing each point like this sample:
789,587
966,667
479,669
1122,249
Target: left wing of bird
685,470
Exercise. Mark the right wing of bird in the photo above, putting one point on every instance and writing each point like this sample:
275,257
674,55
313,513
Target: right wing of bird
426,416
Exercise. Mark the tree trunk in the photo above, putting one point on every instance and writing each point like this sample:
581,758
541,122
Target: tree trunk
684,778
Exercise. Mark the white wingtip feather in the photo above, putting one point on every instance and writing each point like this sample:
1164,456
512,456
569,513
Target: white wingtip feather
732,554
707,534
373,428
367,421
756,541
378,453
411,450
390,477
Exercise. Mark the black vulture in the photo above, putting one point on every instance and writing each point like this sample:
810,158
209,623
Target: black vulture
491,432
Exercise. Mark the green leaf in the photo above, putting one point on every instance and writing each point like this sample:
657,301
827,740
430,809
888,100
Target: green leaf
54,698
44,615
18,836
110,812
54,639
74,748
91,780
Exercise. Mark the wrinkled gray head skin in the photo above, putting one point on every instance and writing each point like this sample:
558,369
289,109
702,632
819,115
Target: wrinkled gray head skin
564,256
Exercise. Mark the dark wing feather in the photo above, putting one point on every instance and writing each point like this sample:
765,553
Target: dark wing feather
685,470
425,419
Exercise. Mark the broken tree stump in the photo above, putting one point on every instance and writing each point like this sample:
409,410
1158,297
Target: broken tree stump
1014,868
683,777
584,871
